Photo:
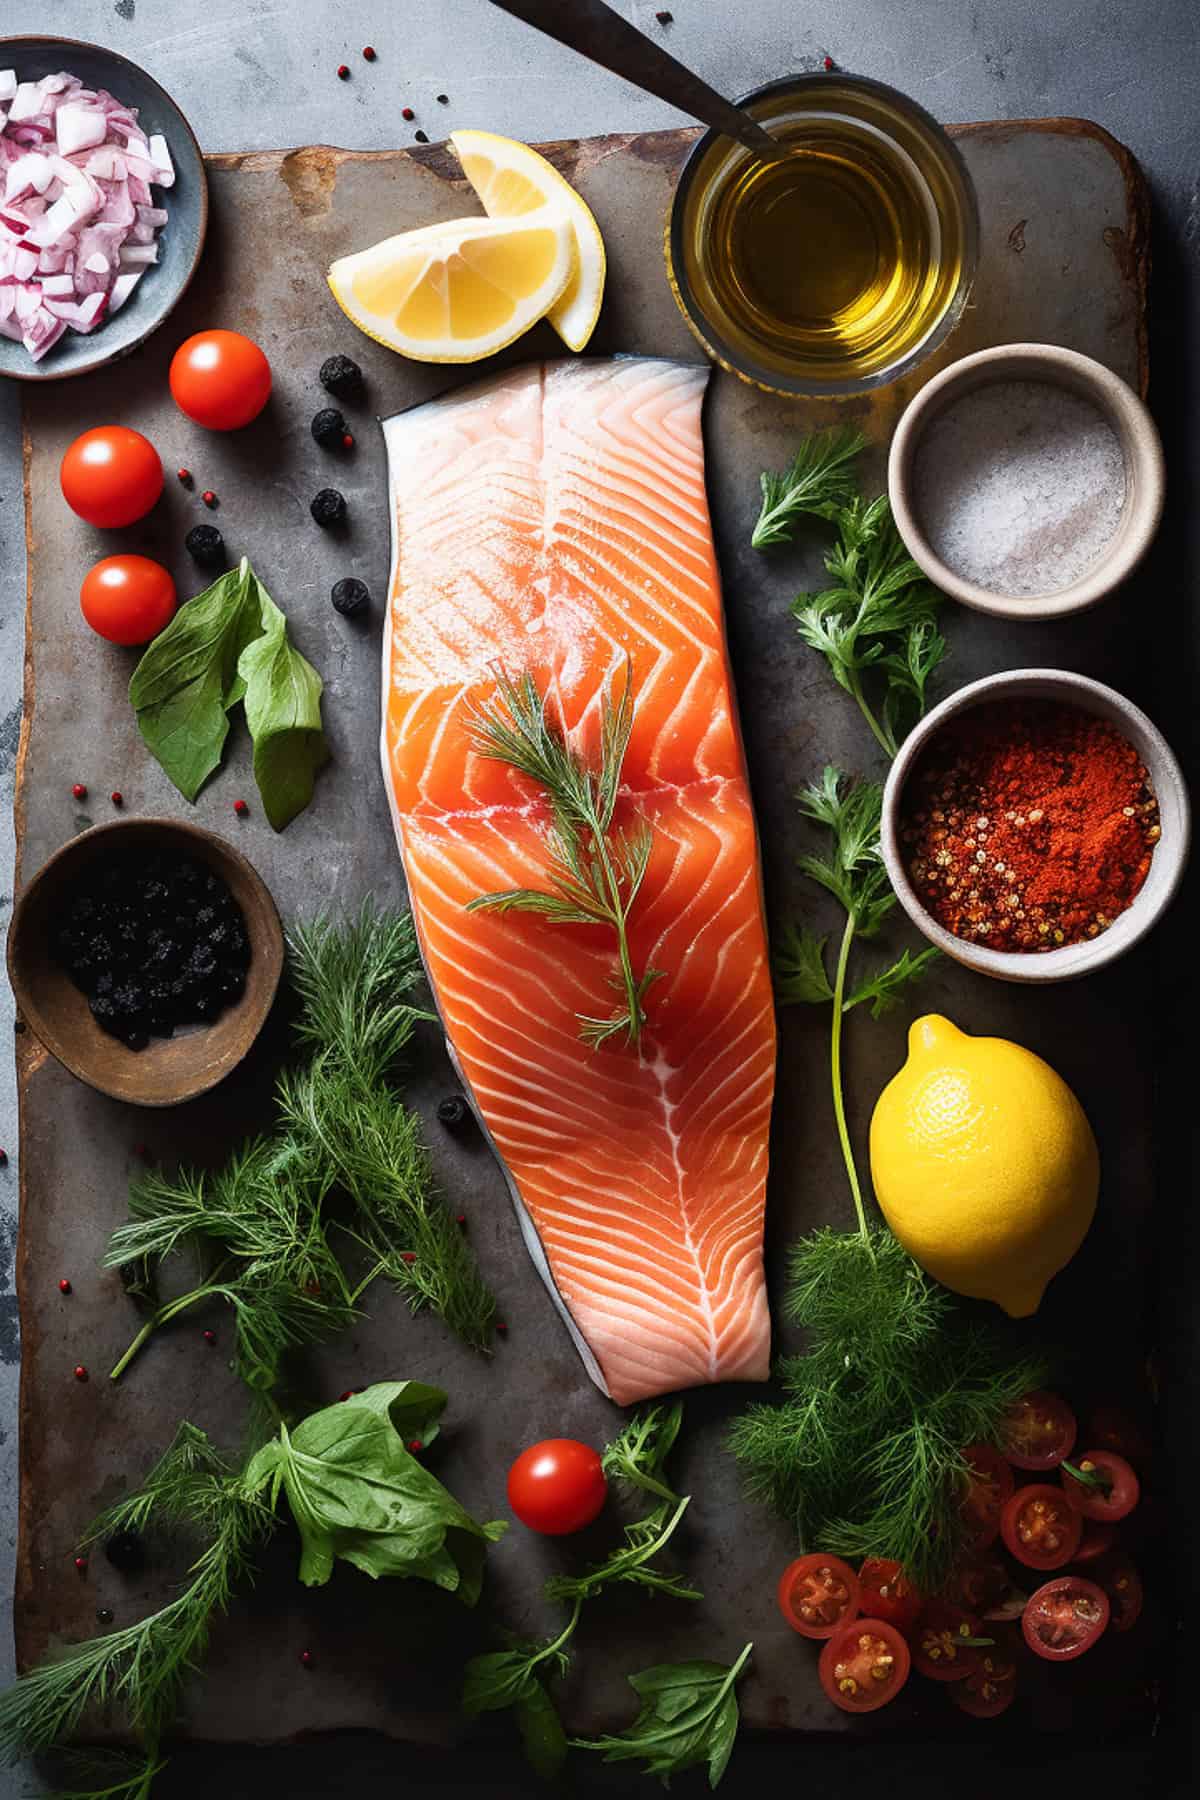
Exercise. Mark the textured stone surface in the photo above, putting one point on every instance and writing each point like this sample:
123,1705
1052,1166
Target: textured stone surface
253,75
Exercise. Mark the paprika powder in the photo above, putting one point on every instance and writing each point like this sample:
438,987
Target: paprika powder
1028,825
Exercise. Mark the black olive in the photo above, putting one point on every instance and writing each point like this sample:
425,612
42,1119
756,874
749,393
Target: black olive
342,378
350,596
206,547
328,508
329,428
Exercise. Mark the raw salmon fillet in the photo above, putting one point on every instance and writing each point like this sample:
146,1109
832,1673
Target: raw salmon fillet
554,520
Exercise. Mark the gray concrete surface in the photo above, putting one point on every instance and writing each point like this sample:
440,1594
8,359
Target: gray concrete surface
254,74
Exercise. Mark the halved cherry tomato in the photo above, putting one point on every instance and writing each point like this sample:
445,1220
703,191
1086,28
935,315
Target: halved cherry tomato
220,379
1097,1541
557,1486
127,599
1108,1490
977,1583
947,1643
1064,1618
1123,1585
1039,1431
991,1487
864,1665
111,476
990,1688
887,1593
1040,1527
818,1593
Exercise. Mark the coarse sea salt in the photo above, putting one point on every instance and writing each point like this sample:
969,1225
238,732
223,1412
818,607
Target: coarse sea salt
1019,487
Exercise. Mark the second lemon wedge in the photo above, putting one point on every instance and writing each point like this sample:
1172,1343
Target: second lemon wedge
513,181
457,291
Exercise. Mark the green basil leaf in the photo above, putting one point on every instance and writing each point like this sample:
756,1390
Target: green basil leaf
283,711
498,1679
357,1494
689,1715
542,1734
188,679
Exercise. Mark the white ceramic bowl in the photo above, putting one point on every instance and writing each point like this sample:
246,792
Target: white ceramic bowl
1166,865
1089,380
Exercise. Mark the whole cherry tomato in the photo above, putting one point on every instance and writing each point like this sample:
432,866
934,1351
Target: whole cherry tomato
111,476
127,599
557,1486
864,1665
817,1593
220,379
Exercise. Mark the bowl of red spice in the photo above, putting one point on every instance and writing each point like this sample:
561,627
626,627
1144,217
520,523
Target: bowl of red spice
1035,825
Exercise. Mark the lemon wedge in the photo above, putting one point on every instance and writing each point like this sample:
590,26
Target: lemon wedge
458,291
512,181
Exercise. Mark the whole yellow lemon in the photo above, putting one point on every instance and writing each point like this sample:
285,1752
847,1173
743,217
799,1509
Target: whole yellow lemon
984,1165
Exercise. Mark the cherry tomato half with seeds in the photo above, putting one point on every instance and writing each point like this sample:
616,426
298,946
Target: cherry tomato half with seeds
220,379
557,1486
990,1688
864,1665
1123,1586
1097,1541
947,1643
111,476
990,1490
887,1593
1039,1431
818,1593
1101,1485
1065,1618
1040,1527
127,599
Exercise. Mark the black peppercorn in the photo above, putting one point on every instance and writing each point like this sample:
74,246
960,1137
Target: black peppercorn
454,1113
350,596
329,428
205,545
342,378
329,509
126,1551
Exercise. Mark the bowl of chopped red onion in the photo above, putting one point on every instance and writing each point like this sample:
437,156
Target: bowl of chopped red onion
103,206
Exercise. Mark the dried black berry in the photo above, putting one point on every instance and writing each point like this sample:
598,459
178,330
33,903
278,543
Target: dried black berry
343,378
329,428
329,509
350,596
205,545
454,1113
126,1551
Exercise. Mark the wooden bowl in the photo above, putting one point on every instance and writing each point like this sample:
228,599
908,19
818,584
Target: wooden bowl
171,1069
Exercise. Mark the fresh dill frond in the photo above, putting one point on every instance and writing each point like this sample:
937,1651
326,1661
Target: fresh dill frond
108,1774
595,872
819,479
864,1455
351,980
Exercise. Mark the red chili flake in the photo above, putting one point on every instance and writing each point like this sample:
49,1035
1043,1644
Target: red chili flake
369,53
421,137
408,1256
80,790
209,498
81,1564
406,112
665,18
348,441
307,1659
415,1444
210,1337
117,797
240,808
827,63
343,72
184,475
348,1395
64,1286
80,1372
500,1325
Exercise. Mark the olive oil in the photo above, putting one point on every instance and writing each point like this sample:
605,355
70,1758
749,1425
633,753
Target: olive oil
835,266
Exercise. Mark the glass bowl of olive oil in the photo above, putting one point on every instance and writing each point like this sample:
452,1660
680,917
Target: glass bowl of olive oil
838,265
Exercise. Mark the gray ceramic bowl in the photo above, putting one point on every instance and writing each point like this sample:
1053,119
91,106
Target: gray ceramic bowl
1088,380
1166,865
181,238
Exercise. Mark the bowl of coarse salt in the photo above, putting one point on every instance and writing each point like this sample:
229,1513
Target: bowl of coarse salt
1026,480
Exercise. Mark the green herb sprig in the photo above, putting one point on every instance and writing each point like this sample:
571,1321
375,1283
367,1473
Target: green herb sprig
818,481
689,1715
595,872
270,1239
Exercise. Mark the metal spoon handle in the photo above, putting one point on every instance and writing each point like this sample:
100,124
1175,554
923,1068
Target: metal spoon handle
596,31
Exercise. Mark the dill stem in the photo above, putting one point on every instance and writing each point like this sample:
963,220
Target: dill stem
835,1070
886,743
632,1002
564,1634
162,1316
